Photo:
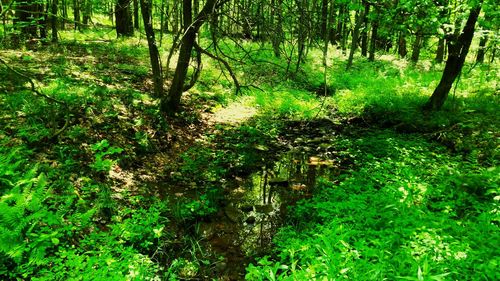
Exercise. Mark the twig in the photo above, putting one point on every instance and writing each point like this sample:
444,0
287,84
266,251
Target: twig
225,63
40,94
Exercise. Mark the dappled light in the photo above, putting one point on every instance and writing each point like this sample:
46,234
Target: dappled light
249,140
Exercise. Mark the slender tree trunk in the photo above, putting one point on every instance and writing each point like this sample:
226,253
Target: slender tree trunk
364,33
324,18
458,48
64,10
440,50
417,46
402,50
41,13
373,41
355,38
87,12
136,14
76,14
171,104
277,16
482,46
53,20
154,55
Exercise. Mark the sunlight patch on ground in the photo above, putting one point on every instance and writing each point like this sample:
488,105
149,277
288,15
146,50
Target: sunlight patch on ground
235,113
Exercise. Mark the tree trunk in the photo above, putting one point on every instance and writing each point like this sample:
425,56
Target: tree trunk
373,41
277,16
136,13
171,104
417,46
123,14
76,14
440,50
87,12
53,20
482,46
64,10
154,55
458,48
364,33
402,50
324,18
355,38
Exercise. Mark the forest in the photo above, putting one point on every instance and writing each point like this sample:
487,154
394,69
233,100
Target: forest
249,140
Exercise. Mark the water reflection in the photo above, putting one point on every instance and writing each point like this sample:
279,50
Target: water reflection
257,206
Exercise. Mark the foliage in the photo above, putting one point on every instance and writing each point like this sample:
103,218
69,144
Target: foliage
415,217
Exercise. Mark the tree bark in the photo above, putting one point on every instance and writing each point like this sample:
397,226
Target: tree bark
458,48
76,14
373,41
124,22
440,50
482,46
136,14
417,46
154,55
402,50
53,20
355,39
364,33
277,17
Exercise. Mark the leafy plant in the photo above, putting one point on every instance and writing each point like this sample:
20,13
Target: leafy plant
102,149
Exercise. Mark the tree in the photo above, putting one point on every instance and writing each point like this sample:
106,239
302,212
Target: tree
458,48
124,22
53,20
171,103
154,55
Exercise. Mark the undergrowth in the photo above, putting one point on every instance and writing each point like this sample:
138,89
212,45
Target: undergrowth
408,211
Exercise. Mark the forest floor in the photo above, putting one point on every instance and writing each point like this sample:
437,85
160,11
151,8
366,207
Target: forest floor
278,182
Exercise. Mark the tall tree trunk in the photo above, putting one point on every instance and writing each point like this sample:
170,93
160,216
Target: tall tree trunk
277,17
417,46
154,55
373,41
124,22
41,14
64,9
440,50
458,48
76,14
171,104
482,46
301,33
355,38
136,14
53,20
402,50
364,33
324,18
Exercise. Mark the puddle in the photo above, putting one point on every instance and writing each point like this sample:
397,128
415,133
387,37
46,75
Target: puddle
256,206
